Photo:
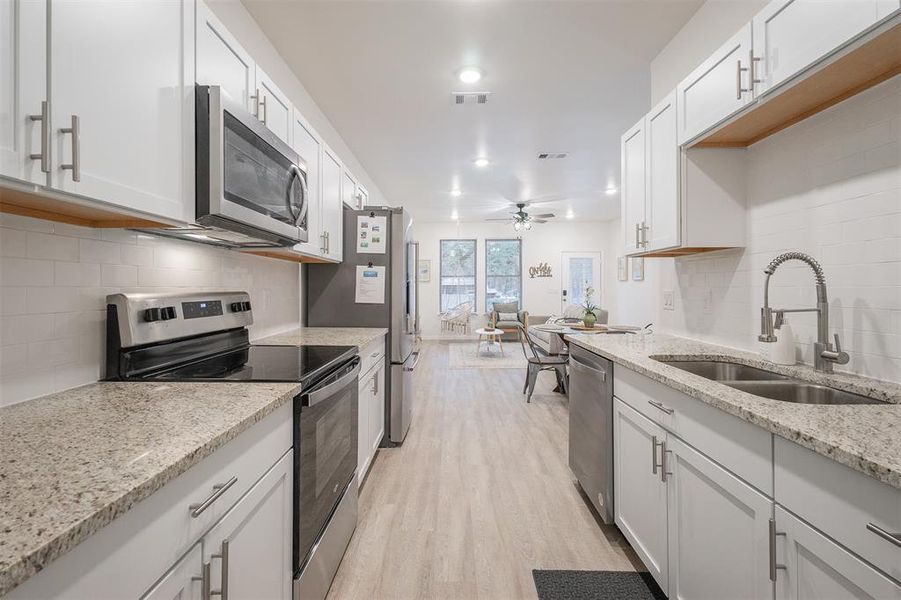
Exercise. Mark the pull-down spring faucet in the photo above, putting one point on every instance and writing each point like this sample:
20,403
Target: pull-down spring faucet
824,354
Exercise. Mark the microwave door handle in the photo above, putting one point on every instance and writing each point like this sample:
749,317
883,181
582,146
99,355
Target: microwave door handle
298,215
323,393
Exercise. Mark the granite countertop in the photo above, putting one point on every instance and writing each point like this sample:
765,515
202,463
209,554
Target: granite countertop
324,336
863,437
73,461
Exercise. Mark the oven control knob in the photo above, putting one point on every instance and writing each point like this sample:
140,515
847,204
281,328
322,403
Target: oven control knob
153,314
245,305
235,306
167,313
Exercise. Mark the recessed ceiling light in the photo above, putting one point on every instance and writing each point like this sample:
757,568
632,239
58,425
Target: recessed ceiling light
481,162
610,190
456,193
469,74
455,216
570,214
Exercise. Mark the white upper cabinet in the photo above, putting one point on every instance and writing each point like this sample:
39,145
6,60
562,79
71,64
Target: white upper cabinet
23,91
349,190
308,146
813,567
363,196
634,179
661,227
331,210
222,61
273,107
717,89
791,35
122,106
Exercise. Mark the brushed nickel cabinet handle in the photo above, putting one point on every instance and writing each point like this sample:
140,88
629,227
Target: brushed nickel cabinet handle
739,90
75,165
654,464
204,580
263,109
44,154
222,592
663,453
637,236
218,490
892,538
660,406
773,564
256,103
753,60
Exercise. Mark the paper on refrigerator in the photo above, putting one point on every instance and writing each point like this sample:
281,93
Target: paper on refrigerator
371,233
370,285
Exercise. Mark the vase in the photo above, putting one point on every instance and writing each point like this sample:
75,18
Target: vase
589,320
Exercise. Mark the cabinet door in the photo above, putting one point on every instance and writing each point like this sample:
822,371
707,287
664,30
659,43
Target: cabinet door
332,219
718,530
308,147
23,90
717,89
363,196
181,582
122,113
377,411
639,491
349,191
815,567
791,35
662,208
249,551
275,110
632,149
364,449
222,61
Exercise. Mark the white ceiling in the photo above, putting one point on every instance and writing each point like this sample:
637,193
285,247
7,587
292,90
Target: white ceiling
564,77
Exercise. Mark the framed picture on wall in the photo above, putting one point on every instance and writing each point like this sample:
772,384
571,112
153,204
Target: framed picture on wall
622,268
637,269
424,270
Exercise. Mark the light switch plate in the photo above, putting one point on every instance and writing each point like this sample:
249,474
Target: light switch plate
669,300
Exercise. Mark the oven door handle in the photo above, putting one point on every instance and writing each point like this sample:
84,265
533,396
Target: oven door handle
317,396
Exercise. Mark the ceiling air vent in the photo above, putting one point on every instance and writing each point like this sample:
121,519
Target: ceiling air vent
471,97
552,155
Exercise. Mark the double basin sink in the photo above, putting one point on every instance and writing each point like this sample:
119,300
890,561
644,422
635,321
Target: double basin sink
768,384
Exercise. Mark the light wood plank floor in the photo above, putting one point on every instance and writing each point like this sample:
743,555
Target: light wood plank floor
479,494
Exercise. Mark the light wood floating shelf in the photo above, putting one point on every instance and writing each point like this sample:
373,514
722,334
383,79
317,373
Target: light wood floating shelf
677,252
862,67
286,255
26,204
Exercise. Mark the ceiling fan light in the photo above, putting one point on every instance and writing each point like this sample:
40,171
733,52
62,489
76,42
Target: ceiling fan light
517,226
528,225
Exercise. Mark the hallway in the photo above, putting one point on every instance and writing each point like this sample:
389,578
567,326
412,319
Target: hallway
479,494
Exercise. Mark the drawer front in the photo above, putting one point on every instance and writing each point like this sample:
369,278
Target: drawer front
371,355
127,556
743,448
840,502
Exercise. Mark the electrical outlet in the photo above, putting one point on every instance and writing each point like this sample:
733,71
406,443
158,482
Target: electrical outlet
669,300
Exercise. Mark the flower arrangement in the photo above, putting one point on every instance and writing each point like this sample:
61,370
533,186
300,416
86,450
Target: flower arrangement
589,318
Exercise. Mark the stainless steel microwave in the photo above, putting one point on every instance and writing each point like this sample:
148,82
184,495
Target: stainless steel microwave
248,180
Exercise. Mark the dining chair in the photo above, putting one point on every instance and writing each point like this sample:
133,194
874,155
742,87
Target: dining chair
539,362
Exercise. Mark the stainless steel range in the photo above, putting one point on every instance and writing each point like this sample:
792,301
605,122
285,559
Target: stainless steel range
204,337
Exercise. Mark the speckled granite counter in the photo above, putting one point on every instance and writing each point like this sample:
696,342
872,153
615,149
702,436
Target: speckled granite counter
72,462
324,336
863,437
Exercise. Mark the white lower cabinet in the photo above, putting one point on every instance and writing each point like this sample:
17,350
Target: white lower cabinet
248,552
640,501
810,566
371,414
718,529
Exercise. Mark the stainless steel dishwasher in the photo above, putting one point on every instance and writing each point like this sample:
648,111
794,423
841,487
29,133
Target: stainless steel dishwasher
591,427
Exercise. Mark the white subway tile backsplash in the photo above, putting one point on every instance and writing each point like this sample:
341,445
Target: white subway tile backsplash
831,187
54,279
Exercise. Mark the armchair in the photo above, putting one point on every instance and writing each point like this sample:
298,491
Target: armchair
507,317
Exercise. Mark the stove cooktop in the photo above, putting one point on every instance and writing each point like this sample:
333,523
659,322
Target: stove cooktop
302,364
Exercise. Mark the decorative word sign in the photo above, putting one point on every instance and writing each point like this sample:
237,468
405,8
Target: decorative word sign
542,270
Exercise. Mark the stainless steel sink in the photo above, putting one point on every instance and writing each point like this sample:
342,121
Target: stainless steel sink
724,371
768,384
800,392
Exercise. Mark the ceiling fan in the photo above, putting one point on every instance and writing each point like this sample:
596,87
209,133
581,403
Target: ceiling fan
522,220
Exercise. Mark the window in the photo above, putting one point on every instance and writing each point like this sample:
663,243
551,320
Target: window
503,272
457,273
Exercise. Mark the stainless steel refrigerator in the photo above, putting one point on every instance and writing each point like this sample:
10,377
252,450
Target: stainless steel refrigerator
331,302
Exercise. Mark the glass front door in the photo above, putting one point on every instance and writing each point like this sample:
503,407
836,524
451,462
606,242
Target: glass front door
580,271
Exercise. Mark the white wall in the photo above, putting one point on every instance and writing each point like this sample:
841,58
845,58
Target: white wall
54,279
707,29
242,25
829,186
545,243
